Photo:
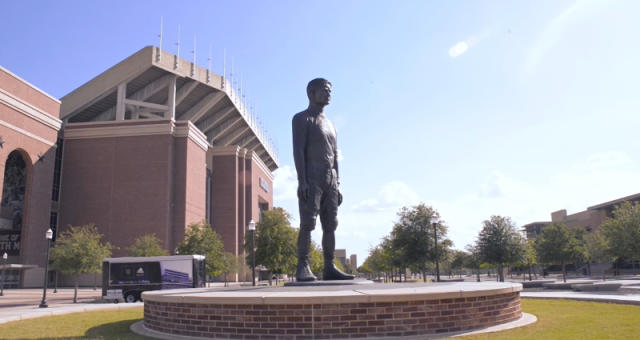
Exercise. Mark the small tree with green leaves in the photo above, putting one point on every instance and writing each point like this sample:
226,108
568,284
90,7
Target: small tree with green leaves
500,243
231,264
458,260
557,244
201,239
378,262
79,250
595,250
316,259
622,232
474,259
147,245
530,258
276,242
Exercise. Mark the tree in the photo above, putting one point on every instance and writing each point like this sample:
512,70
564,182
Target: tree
474,259
595,250
147,245
622,232
530,258
499,242
201,239
378,262
412,239
316,259
276,242
557,244
458,260
230,264
79,250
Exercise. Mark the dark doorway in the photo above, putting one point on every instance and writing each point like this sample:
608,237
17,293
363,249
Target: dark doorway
13,192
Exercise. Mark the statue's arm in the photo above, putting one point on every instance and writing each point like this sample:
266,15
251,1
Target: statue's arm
335,166
335,159
299,126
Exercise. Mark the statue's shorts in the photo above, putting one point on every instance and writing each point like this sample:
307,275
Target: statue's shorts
322,200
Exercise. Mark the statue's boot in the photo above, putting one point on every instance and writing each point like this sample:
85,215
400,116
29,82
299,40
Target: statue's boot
303,272
331,272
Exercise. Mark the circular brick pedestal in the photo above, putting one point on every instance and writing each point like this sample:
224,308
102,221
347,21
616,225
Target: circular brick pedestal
383,310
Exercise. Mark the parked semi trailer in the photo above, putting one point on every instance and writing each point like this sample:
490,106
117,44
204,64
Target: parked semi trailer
127,277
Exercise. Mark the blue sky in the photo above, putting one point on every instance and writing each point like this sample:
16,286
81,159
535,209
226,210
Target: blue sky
474,107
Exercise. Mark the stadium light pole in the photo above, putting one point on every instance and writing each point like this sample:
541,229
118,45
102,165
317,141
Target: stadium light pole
252,229
49,236
434,223
5,256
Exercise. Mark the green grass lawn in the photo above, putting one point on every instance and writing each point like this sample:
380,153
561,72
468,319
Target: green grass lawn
88,325
557,319
566,319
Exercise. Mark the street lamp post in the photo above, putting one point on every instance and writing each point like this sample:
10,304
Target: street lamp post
43,303
5,256
252,229
434,223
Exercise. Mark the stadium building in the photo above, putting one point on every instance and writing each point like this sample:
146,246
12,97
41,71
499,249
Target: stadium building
149,146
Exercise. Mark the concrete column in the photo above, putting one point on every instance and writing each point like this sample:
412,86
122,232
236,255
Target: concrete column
122,95
171,100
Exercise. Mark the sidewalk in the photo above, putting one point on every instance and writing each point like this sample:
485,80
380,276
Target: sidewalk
20,304
630,299
60,309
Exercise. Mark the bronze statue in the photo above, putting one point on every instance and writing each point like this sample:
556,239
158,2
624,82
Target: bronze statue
315,155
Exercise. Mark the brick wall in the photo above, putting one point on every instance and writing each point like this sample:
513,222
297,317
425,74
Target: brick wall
326,321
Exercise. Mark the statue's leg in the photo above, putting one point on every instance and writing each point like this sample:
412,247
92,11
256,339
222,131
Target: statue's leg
308,212
329,220
303,271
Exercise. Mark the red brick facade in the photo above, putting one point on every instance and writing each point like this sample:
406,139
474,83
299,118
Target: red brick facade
29,124
135,177
326,321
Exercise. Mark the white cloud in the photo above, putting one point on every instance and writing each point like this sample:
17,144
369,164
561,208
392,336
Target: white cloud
609,159
397,193
285,184
340,155
458,49
391,196
500,186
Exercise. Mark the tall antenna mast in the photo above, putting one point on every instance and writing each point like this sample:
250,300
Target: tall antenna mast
159,49
175,65
224,67
240,94
209,65
231,77
193,63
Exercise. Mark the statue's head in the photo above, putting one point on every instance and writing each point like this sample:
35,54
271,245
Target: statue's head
319,91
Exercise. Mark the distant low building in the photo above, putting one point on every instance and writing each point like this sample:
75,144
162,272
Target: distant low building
353,261
589,220
534,229
341,255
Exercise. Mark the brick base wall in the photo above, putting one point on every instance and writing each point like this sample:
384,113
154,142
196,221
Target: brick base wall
330,321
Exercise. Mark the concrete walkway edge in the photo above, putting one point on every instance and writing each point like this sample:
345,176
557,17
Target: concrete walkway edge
63,309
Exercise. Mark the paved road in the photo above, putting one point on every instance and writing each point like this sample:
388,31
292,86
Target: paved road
24,298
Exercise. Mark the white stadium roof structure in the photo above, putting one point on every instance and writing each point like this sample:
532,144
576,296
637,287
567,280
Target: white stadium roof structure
155,84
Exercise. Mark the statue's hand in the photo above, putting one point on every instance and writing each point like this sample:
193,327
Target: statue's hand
303,191
339,197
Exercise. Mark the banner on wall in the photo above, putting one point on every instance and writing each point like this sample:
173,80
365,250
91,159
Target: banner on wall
10,242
